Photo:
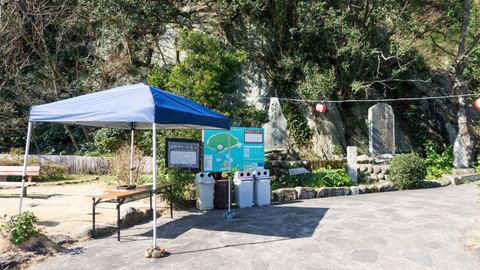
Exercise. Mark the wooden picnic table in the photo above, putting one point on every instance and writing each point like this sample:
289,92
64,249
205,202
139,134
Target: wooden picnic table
120,197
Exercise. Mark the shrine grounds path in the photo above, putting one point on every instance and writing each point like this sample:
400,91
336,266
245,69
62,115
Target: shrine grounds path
415,229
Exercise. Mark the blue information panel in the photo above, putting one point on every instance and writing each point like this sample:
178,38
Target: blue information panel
246,149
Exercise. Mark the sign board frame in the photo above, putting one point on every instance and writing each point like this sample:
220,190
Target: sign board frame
247,149
183,150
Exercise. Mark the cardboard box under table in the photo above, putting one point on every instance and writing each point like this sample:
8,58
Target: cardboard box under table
120,197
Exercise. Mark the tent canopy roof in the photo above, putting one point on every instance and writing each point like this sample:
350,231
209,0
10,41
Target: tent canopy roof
130,107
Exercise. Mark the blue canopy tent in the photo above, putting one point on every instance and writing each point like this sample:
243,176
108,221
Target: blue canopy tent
138,106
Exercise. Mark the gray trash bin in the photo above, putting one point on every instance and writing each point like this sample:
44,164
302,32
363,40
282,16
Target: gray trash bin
261,187
243,188
204,184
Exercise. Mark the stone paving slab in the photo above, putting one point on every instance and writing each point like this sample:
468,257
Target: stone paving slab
416,229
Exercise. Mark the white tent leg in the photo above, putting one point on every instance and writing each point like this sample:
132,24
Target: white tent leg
25,162
131,158
154,161
229,170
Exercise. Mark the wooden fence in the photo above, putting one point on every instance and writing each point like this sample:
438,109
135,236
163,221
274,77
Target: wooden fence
82,164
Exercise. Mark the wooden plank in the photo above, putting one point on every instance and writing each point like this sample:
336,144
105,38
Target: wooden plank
18,170
17,184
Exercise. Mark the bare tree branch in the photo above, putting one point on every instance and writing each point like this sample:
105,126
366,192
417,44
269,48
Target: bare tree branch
442,48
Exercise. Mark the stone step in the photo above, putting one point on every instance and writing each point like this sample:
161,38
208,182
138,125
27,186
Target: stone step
460,179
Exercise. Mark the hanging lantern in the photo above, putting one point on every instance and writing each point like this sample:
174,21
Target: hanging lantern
477,103
321,107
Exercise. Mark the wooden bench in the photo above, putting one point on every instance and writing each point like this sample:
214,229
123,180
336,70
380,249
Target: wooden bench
18,170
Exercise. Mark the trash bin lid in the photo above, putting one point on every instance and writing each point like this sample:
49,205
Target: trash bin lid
261,174
243,175
204,177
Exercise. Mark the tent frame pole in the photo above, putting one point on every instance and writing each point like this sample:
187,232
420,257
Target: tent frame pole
25,163
229,170
131,156
154,189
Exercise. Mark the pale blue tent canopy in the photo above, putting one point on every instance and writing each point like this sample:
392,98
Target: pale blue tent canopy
133,107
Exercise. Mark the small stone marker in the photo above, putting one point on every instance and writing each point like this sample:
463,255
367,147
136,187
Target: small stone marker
352,163
381,129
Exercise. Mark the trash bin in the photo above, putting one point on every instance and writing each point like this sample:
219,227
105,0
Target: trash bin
243,188
204,183
261,187
221,194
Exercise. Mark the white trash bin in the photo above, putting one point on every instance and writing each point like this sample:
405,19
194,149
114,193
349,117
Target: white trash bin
243,188
261,187
204,184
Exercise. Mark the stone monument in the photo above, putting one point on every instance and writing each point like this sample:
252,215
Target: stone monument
381,129
460,159
276,134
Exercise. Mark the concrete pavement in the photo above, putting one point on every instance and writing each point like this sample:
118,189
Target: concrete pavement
415,229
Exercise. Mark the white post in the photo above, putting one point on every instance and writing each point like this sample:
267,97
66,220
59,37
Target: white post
131,159
25,162
352,163
154,129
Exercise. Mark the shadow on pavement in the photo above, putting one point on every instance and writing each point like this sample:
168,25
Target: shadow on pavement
279,220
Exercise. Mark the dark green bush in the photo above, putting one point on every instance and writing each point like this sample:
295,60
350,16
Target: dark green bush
406,171
184,180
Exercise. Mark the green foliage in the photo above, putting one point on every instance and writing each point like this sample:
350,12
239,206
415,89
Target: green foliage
297,125
338,150
208,70
50,171
437,164
207,77
183,180
20,227
406,171
110,139
326,177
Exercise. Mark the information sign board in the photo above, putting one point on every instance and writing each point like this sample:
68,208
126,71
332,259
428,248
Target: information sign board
246,149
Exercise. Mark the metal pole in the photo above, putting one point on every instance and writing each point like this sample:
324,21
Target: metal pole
25,162
229,169
154,191
131,159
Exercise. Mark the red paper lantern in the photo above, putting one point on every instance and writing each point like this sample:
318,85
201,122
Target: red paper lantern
477,103
321,107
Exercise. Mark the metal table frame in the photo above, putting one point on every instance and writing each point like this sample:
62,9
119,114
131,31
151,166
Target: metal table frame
125,196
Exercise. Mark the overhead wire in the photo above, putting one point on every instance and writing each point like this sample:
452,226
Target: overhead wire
358,100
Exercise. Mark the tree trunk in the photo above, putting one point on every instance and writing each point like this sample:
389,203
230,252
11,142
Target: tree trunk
72,136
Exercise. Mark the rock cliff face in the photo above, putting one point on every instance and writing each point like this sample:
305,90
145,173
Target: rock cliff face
344,124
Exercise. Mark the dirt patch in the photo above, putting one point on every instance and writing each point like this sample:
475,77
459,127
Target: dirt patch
64,219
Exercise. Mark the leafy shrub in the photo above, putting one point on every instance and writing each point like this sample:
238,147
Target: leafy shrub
183,180
121,164
437,164
110,139
52,171
407,170
20,227
323,177
327,177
